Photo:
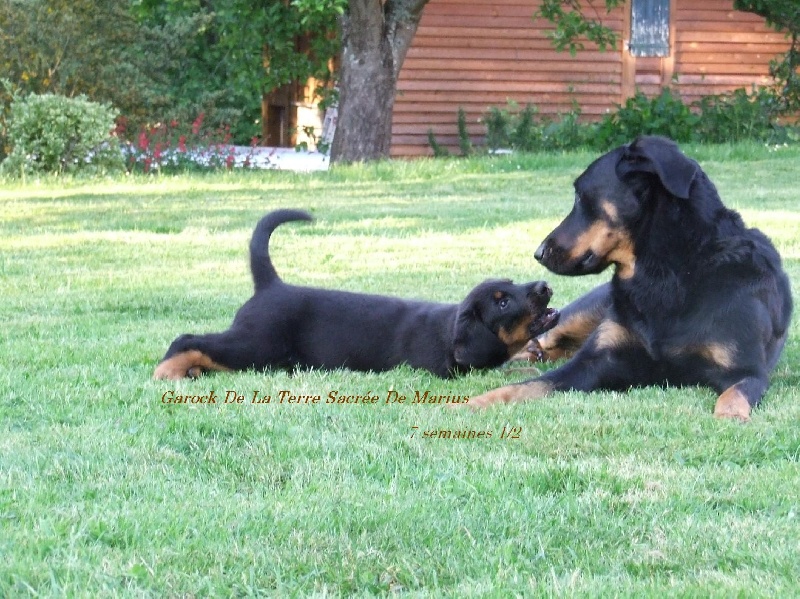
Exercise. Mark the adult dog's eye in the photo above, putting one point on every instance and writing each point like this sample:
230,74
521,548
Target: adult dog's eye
503,303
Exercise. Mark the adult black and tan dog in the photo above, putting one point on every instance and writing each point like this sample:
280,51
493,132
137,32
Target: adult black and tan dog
696,297
285,326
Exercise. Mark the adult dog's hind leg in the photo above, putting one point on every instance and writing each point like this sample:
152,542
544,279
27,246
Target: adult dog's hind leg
738,399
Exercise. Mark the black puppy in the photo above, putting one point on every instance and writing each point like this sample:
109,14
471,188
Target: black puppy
284,326
696,297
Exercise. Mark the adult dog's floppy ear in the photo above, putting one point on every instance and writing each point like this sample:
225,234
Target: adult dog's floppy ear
661,157
474,344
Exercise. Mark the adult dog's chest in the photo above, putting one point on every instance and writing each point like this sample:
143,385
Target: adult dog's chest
668,337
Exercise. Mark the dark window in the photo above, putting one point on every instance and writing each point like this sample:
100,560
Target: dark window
649,28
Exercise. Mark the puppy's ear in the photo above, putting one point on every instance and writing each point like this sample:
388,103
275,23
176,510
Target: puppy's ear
660,157
474,344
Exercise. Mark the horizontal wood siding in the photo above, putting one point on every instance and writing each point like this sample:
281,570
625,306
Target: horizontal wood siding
718,49
480,53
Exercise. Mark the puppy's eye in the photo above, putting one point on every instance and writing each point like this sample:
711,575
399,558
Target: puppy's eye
503,303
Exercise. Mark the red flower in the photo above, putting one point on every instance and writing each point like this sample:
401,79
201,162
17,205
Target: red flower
229,161
144,142
157,152
198,122
182,143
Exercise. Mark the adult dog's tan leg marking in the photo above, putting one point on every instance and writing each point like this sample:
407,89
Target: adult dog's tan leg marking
611,335
190,363
512,394
566,337
732,403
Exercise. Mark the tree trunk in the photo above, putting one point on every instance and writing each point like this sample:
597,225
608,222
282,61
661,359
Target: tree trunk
375,38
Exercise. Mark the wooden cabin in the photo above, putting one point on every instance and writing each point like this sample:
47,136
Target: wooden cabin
480,53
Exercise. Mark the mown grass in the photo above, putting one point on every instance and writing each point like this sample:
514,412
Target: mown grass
106,491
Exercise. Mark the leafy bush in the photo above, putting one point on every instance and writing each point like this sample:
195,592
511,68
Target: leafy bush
665,114
439,151
498,128
526,131
464,142
55,134
730,117
513,128
738,116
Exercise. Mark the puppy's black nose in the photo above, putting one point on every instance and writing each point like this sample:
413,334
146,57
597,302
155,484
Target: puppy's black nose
539,253
542,288
542,291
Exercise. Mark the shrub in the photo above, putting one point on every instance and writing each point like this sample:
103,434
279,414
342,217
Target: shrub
526,131
730,117
498,128
439,151
55,134
738,115
665,114
512,128
464,142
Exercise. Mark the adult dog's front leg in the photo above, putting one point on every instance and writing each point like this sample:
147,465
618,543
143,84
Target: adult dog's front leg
611,359
571,375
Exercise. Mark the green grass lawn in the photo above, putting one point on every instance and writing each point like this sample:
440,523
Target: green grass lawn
107,491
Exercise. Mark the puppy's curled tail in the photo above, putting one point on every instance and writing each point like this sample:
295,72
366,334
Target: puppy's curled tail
260,264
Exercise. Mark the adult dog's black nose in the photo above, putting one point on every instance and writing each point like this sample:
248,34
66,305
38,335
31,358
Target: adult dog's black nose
539,253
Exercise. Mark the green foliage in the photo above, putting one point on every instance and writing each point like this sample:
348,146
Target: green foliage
54,134
526,130
665,114
572,27
524,134
438,150
735,116
498,128
90,47
782,15
738,116
239,50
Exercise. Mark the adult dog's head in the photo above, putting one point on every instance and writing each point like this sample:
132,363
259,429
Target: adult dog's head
498,318
615,197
